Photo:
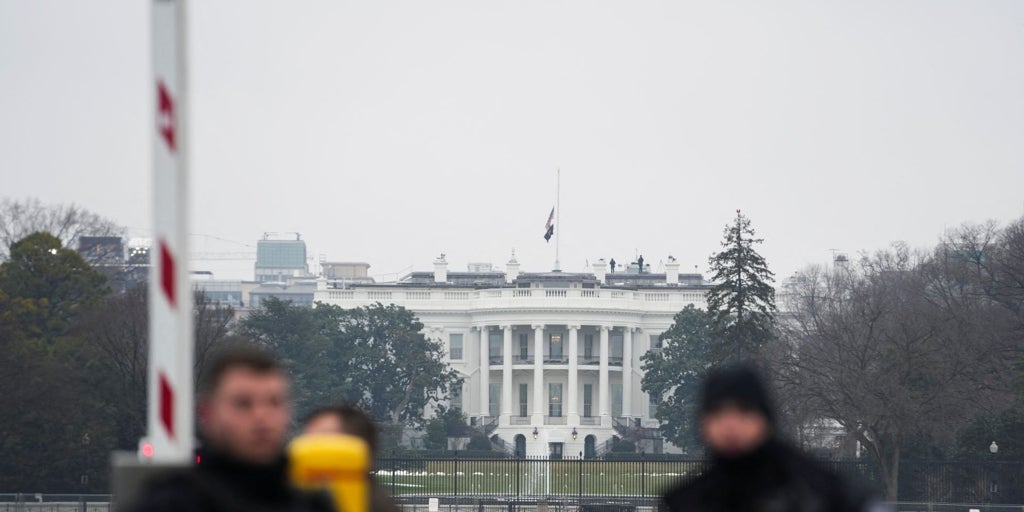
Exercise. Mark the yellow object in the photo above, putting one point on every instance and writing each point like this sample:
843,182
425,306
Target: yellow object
336,462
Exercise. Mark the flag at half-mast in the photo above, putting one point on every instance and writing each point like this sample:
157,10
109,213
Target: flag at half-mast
549,228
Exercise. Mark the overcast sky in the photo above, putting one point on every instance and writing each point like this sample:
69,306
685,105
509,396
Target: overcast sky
389,132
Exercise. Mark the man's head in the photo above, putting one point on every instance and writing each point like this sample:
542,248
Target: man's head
342,419
244,407
737,415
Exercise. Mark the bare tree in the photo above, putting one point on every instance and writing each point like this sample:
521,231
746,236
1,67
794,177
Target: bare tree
896,347
19,219
119,333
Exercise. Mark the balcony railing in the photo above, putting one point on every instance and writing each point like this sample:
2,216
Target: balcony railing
399,294
590,420
589,360
556,359
520,420
521,359
497,359
554,420
615,361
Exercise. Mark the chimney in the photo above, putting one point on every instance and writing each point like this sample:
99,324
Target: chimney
512,269
672,271
599,270
440,269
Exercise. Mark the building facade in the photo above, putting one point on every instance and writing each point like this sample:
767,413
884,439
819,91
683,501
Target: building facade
550,361
278,260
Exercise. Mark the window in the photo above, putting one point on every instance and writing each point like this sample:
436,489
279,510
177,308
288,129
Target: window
455,347
493,399
555,399
616,390
588,400
524,347
494,348
456,398
616,348
656,341
588,347
523,400
555,347
652,407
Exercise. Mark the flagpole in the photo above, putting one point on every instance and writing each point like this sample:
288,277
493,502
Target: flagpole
558,216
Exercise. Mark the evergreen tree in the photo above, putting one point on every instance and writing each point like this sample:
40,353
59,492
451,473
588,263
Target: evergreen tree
675,373
741,305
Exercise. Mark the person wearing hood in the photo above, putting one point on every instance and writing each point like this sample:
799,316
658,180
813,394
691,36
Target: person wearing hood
244,416
752,469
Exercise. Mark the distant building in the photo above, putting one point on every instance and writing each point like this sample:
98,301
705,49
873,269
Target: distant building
227,292
123,268
300,293
278,260
346,272
550,360
102,250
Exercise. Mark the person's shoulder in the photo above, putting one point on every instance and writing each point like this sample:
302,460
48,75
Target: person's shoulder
686,495
314,501
172,491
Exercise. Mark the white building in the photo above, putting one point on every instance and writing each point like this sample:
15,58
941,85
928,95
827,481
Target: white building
551,361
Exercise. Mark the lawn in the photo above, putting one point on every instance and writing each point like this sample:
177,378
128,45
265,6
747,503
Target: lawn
532,477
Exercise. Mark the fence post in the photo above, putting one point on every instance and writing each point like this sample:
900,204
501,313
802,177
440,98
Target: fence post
394,464
643,475
579,488
456,480
518,471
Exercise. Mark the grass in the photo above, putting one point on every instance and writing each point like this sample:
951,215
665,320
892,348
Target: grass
534,477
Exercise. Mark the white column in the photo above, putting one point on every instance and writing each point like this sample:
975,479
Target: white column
603,401
538,375
627,372
506,375
485,370
572,395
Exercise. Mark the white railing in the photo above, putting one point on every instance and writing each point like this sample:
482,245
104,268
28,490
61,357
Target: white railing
378,295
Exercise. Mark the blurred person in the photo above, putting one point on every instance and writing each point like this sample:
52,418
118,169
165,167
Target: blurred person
350,420
244,413
752,469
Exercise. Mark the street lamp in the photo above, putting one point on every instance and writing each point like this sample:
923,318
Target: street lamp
535,432
993,448
574,434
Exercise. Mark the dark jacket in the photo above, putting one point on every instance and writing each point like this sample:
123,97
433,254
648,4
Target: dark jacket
222,484
774,478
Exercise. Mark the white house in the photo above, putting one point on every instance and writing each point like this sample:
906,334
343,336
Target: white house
551,360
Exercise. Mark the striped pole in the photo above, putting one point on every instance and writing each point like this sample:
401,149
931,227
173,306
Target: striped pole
170,414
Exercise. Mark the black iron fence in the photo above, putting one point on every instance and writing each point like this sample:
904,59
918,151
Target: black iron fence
920,480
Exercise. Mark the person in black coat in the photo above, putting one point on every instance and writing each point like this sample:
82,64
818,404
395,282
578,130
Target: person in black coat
752,469
244,415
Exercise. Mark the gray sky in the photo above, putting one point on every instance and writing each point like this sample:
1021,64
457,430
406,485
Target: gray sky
391,131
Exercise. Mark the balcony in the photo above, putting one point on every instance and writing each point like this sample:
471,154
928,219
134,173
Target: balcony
554,420
590,420
520,420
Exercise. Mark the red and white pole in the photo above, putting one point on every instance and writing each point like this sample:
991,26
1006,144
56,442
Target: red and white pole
170,414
